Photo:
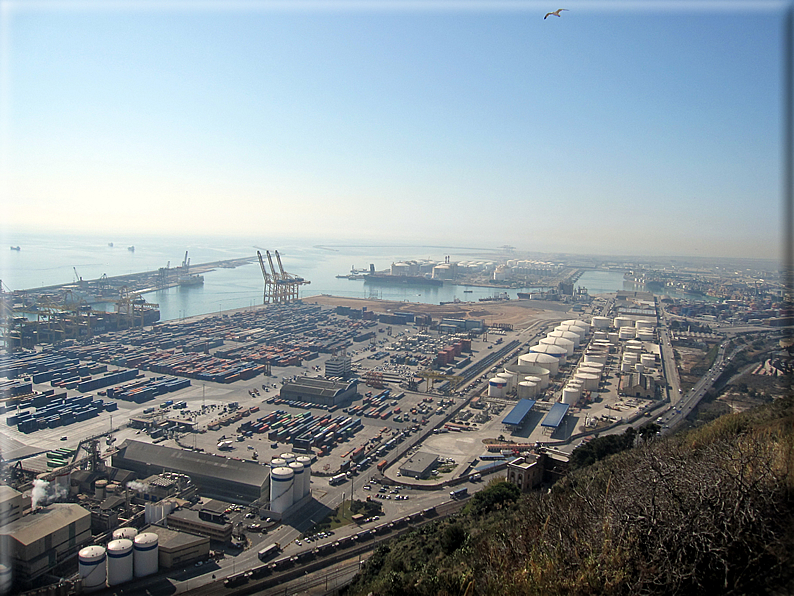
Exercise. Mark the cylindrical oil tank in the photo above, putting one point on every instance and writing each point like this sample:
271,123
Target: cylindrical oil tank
590,382
278,462
630,357
556,351
126,532
613,337
577,323
91,566
627,333
99,489
648,359
619,322
600,357
626,366
581,332
282,482
570,396
645,334
639,367
527,390
300,477
633,345
576,385
645,324
288,457
147,556
113,488
601,322
530,369
589,370
119,561
569,335
537,380
510,378
561,342
497,387
543,360
307,472
603,335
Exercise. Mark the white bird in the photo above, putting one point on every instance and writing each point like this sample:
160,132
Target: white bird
556,13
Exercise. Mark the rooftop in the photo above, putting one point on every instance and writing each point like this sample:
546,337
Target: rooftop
35,526
519,413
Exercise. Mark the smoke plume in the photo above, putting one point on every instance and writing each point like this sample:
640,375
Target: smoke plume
44,493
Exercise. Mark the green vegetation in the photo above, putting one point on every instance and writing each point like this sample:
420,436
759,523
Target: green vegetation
343,515
703,512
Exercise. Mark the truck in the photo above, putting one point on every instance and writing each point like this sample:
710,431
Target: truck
459,493
338,479
269,551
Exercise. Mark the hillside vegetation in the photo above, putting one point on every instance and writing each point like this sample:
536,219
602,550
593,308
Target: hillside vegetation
705,512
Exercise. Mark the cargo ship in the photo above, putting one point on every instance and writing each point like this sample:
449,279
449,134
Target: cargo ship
405,280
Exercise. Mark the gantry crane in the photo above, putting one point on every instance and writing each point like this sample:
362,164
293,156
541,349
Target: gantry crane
280,286
270,292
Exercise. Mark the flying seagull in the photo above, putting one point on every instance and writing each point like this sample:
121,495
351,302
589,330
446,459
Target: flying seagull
556,13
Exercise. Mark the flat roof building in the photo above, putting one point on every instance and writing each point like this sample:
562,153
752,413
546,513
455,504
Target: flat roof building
179,548
319,391
215,476
190,521
11,503
419,465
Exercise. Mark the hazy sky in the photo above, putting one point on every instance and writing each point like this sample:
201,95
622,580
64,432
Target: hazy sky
622,127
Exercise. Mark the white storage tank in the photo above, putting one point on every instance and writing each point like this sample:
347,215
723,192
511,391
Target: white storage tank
575,385
645,324
630,357
510,378
600,322
614,337
627,333
557,351
639,367
278,462
590,382
561,342
497,387
619,322
645,334
544,360
626,366
300,478
146,554
600,357
569,335
527,390
288,457
522,370
589,370
126,532
575,329
91,566
633,345
307,472
602,335
282,482
570,396
119,561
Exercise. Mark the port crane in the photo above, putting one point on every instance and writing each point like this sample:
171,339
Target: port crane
280,286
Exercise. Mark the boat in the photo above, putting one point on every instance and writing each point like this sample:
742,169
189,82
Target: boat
110,244
15,248
468,291
191,280
131,248
407,280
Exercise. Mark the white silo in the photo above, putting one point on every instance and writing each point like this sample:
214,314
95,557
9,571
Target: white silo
497,387
543,360
288,457
125,532
590,382
307,472
91,566
619,322
300,477
282,482
527,390
119,561
613,337
558,352
601,335
645,334
600,322
627,333
590,370
147,557
577,323
278,462
600,357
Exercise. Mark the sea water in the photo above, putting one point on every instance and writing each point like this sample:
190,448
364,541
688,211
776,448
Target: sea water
48,259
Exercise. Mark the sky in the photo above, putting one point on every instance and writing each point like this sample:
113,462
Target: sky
648,128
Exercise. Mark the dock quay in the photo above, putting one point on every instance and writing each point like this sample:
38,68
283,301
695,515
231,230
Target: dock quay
107,289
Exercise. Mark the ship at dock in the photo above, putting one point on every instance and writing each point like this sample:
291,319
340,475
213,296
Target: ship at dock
405,280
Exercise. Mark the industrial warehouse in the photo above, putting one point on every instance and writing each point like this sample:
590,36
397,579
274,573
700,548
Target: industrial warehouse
203,440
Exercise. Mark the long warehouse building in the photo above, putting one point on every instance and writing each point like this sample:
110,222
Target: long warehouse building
216,477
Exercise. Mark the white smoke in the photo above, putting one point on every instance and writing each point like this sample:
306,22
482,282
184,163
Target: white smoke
138,486
44,493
